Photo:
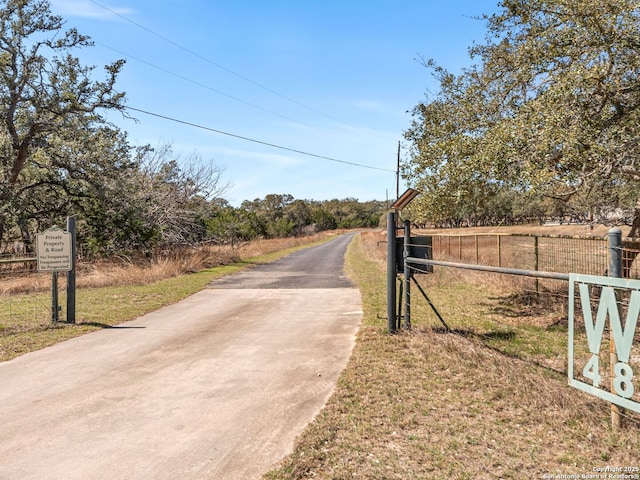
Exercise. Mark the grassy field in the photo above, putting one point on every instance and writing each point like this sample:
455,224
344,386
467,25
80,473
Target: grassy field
488,400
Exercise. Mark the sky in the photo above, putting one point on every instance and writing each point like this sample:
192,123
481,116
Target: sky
308,98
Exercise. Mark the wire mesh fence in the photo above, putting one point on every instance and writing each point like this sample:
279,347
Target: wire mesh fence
25,295
544,253
559,254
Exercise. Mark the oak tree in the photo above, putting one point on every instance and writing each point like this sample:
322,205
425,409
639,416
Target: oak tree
51,114
551,106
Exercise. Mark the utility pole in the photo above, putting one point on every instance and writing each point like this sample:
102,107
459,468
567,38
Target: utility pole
398,174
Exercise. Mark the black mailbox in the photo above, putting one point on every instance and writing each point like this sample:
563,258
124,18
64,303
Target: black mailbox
419,247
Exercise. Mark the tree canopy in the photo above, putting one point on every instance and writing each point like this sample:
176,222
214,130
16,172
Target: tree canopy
278,215
59,156
50,121
550,109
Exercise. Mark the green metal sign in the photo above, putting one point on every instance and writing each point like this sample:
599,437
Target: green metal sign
603,361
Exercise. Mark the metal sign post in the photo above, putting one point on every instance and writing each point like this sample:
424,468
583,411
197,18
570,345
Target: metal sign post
71,274
588,345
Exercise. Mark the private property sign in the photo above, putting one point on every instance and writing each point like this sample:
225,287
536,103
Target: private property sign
53,248
604,361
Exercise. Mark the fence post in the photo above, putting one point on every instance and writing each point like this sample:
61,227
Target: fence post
391,272
477,251
615,270
537,261
615,252
407,275
71,274
54,298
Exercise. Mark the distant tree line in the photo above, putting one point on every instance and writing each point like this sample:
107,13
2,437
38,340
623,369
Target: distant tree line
494,205
283,216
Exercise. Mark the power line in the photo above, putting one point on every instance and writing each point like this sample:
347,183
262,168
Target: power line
168,40
208,60
272,145
200,84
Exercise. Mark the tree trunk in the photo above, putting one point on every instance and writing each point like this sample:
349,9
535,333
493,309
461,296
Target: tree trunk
2,223
27,239
635,226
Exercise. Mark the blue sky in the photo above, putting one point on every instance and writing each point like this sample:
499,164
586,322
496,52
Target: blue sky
333,78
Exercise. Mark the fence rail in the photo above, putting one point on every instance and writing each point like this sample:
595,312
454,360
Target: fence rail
8,261
546,259
411,261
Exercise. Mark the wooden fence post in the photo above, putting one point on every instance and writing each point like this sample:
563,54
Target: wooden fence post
536,262
477,252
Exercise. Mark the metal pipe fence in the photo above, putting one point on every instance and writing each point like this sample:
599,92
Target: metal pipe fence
544,253
551,259
542,262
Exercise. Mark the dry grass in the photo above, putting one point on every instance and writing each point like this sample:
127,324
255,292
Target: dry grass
489,400
126,271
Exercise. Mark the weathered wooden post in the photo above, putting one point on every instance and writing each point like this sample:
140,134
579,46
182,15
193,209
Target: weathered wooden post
71,274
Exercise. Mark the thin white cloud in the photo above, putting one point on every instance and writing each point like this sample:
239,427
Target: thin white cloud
232,156
265,158
87,9
371,105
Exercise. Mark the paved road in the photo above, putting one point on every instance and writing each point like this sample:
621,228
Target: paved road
215,387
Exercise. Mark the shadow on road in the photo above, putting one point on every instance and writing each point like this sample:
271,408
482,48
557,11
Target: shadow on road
105,326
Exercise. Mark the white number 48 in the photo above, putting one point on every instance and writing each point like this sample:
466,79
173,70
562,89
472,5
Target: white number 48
623,376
